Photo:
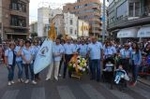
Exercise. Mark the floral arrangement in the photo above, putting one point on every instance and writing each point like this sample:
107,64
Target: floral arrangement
78,65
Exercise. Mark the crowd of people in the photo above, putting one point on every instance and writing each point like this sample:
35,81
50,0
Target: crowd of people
22,53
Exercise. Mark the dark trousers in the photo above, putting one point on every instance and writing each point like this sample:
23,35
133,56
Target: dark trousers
11,72
125,64
95,69
61,62
27,68
67,59
135,70
37,76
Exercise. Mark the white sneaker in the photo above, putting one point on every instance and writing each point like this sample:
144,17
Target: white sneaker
56,78
47,79
27,81
59,75
34,82
12,82
21,80
9,83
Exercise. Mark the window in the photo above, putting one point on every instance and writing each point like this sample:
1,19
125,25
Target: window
18,21
71,22
122,9
134,9
15,5
71,31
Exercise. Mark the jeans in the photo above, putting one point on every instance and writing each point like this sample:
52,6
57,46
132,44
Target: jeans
20,69
135,70
11,72
95,69
27,67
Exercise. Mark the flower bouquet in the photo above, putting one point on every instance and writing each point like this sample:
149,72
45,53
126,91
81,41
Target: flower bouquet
77,66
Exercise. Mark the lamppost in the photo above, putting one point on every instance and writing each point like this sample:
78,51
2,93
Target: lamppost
103,20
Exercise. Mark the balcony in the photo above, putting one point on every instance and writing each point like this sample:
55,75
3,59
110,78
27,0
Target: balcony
135,18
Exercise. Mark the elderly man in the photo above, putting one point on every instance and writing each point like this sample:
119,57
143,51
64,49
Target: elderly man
95,53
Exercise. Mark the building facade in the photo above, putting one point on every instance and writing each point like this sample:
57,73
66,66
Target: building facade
127,18
43,20
70,24
14,15
83,28
45,15
88,10
33,27
59,24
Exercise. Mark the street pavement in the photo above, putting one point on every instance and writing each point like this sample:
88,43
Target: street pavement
68,89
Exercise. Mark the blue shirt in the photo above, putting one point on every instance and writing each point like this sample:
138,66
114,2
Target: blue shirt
95,50
9,54
76,47
35,49
136,57
28,54
109,51
68,49
58,49
17,49
125,53
83,49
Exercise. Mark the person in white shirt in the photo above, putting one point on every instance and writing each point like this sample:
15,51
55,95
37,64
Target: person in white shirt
28,56
95,52
18,51
10,59
57,54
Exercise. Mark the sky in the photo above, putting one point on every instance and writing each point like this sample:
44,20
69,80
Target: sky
35,4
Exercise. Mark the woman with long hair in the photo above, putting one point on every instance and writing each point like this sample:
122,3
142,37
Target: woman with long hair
136,62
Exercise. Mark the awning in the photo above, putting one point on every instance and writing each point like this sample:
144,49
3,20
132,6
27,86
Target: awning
127,33
17,33
144,32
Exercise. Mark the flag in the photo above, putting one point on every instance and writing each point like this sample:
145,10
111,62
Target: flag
44,56
52,32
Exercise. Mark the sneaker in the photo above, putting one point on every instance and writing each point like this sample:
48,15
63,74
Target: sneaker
21,80
56,78
34,82
59,75
12,82
9,83
27,81
47,79
134,83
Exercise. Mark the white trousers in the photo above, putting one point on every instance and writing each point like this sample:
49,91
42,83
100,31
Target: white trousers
50,71
54,67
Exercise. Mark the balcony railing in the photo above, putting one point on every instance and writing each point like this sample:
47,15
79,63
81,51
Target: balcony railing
133,14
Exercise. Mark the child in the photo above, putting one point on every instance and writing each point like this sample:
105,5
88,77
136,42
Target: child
120,73
109,67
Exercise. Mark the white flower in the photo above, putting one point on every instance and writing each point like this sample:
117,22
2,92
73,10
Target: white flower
83,69
80,68
79,61
74,65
